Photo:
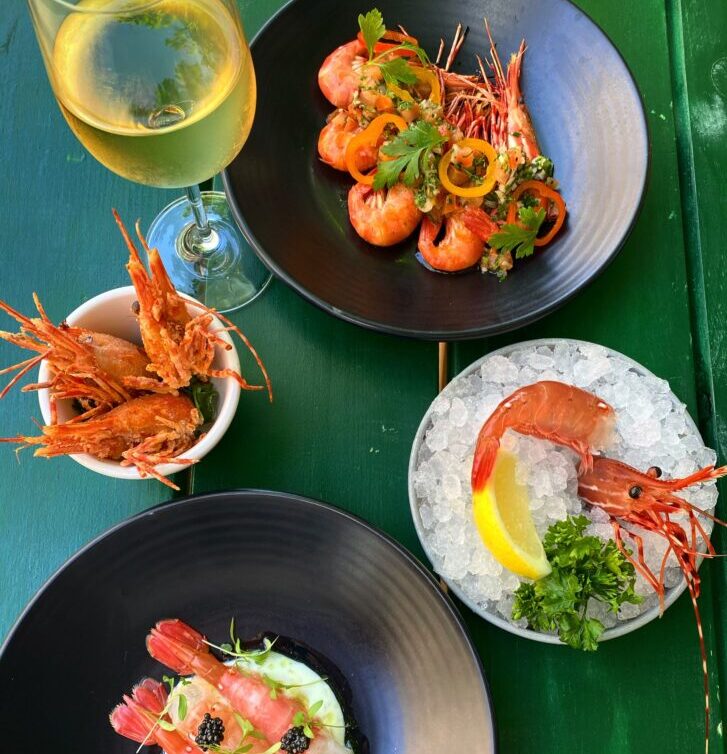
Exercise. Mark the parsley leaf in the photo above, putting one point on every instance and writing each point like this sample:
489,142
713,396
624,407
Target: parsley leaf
407,148
397,71
519,238
372,29
584,568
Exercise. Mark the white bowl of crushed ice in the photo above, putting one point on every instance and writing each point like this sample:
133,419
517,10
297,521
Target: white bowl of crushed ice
653,428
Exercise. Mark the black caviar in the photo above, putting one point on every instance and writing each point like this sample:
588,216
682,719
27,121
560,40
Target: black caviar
295,741
211,731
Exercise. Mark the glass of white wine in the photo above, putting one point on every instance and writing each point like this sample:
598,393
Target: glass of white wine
163,93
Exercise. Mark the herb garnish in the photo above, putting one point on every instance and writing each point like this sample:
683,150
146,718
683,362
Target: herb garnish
205,398
234,648
305,719
277,686
248,731
372,29
519,238
408,148
584,567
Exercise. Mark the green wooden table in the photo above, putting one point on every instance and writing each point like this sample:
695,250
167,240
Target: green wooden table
348,401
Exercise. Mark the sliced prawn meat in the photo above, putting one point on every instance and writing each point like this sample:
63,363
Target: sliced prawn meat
638,502
335,137
563,414
458,249
383,217
185,651
338,77
88,366
143,432
138,716
203,698
180,346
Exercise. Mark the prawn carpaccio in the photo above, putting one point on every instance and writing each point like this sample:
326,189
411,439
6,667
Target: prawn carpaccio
456,153
635,501
224,706
133,402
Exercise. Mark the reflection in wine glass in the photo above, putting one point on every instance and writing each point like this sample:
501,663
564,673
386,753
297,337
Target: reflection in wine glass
163,93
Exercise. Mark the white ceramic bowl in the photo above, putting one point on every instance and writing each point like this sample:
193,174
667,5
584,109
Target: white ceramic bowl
110,313
624,627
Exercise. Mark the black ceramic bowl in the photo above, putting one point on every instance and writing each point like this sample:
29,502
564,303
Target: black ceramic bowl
588,116
277,563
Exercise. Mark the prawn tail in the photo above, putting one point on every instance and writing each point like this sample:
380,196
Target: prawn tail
176,645
484,461
480,223
136,716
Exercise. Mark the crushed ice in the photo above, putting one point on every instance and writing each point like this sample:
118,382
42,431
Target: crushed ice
652,429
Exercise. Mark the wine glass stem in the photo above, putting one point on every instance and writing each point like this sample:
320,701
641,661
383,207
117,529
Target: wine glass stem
200,239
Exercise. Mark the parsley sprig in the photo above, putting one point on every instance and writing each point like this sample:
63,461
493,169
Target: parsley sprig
410,149
372,29
519,238
394,69
584,567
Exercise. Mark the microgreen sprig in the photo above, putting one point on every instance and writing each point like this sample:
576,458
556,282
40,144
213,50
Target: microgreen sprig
277,686
248,731
304,719
233,648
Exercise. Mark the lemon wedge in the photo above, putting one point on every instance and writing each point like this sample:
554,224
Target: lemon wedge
502,516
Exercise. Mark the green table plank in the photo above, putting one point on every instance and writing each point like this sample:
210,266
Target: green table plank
348,401
699,56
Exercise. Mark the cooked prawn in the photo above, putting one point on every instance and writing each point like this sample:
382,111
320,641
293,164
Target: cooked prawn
384,217
184,650
459,248
335,136
550,410
339,75
179,345
85,365
143,432
138,716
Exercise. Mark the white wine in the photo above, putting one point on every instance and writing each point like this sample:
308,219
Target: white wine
164,96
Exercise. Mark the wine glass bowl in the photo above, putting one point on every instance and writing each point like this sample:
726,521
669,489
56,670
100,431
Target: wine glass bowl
161,92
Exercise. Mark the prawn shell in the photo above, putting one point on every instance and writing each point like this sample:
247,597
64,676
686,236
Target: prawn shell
111,312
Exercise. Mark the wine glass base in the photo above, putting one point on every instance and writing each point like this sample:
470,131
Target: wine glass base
225,279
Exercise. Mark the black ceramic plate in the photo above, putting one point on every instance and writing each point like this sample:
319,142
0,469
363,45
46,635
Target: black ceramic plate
588,116
277,563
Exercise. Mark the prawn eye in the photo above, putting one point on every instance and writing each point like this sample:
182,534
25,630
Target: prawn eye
635,491
654,471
